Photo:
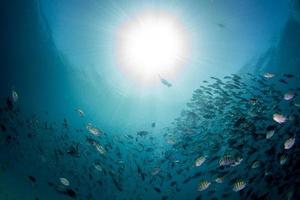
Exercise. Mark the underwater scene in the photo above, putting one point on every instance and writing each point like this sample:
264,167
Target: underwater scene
150,100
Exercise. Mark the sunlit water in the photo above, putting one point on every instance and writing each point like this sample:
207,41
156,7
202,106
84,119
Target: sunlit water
70,110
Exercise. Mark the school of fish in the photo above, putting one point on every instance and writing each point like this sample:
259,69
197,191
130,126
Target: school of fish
237,138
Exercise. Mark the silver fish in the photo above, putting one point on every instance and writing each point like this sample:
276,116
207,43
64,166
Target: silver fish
289,96
93,130
64,181
199,161
270,134
289,143
203,185
239,185
268,75
279,118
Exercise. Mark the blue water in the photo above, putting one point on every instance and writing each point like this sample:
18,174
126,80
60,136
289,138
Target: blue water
59,56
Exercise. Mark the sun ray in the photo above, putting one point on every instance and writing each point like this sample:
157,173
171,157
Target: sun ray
152,44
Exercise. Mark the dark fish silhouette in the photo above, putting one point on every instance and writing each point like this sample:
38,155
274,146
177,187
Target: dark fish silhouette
74,151
157,189
288,75
220,25
32,179
165,82
153,124
70,192
142,133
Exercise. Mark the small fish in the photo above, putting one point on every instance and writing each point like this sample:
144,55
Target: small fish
255,164
289,96
153,124
173,183
14,96
142,133
65,123
282,159
228,160
165,82
98,167
64,181
32,179
100,148
129,136
149,149
80,112
219,179
270,134
2,127
199,197
253,100
71,193
157,189
140,173
92,130
297,105
74,151
283,81
117,184
199,161
289,143
268,75
288,75
237,161
203,185
164,197
171,141
279,118
239,185
221,25
155,171
267,172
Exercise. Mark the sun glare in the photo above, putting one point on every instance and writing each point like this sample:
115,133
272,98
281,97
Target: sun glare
152,44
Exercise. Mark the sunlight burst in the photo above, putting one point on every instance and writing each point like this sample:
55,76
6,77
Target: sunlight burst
152,44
